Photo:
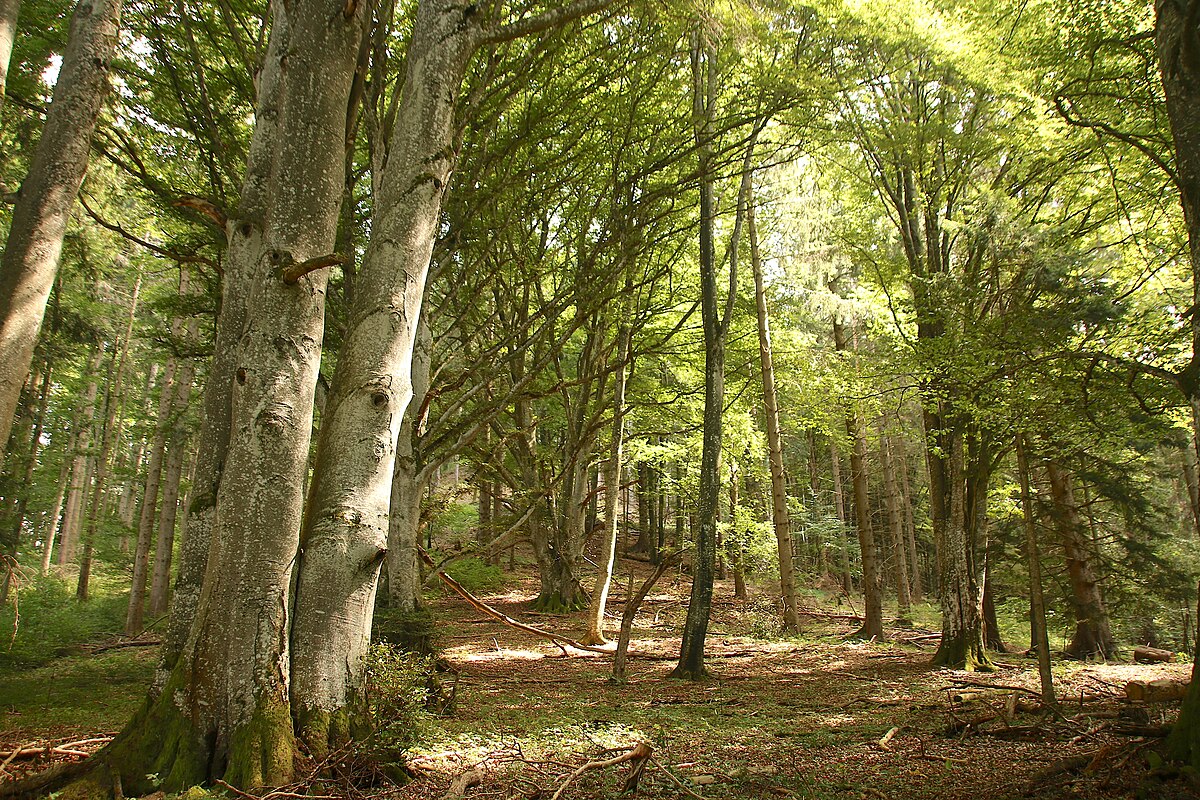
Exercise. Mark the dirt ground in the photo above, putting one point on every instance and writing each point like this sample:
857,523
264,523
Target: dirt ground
818,716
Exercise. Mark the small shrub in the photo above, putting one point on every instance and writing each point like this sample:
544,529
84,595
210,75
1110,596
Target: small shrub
398,687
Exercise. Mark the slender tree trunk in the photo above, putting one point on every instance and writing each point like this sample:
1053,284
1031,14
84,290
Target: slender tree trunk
164,546
113,402
1037,603
35,440
149,509
39,220
906,499
734,545
839,504
64,477
612,486
872,627
9,11
779,507
73,516
896,521
408,486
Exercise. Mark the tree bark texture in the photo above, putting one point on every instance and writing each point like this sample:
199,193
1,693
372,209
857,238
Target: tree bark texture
164,545
1038,632
224,709
408,486
896,525
9,11
1093,634
43,208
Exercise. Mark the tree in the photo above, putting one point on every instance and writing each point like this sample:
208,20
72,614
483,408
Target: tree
31,253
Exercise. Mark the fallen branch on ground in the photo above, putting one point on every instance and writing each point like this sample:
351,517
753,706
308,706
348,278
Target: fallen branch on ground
483,607
639,754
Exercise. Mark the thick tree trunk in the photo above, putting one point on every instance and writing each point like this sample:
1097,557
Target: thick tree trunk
346,529
779,507
224,709
44,202
961,646
1093,635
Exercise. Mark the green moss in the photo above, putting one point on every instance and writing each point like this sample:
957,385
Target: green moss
159,748
557,604
965,652
262,751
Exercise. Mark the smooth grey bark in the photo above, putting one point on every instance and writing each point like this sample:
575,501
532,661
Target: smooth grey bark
780,517
612,487
243,261
910,527
9,12
225,701
43,207
345,532
408,486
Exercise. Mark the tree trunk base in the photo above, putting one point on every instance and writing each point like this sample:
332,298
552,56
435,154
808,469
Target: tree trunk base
963,652
557,603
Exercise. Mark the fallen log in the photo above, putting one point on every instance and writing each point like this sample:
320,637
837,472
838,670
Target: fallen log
1152,655
1162,690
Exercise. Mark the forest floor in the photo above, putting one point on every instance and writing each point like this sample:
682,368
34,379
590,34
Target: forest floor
817,716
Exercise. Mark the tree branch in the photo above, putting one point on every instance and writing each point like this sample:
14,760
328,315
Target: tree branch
541,22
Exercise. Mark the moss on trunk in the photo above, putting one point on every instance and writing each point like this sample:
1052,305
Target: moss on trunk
963,651
261,752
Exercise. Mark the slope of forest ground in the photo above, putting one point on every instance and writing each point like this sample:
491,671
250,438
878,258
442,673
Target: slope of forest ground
819,716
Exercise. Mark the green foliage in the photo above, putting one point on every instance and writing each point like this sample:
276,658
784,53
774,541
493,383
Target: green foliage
49,622
476,575
398,685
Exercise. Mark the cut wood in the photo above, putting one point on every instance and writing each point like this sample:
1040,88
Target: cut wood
1152,655
1157,691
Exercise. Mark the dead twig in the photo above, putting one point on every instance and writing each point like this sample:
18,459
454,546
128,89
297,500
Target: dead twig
640,752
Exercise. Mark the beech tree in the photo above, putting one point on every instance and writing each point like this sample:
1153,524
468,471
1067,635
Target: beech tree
48,192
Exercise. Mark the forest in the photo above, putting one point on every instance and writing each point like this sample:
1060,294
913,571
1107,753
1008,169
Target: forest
670,398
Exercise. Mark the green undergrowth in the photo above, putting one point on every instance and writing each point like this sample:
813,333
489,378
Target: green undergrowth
47,621
93,693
